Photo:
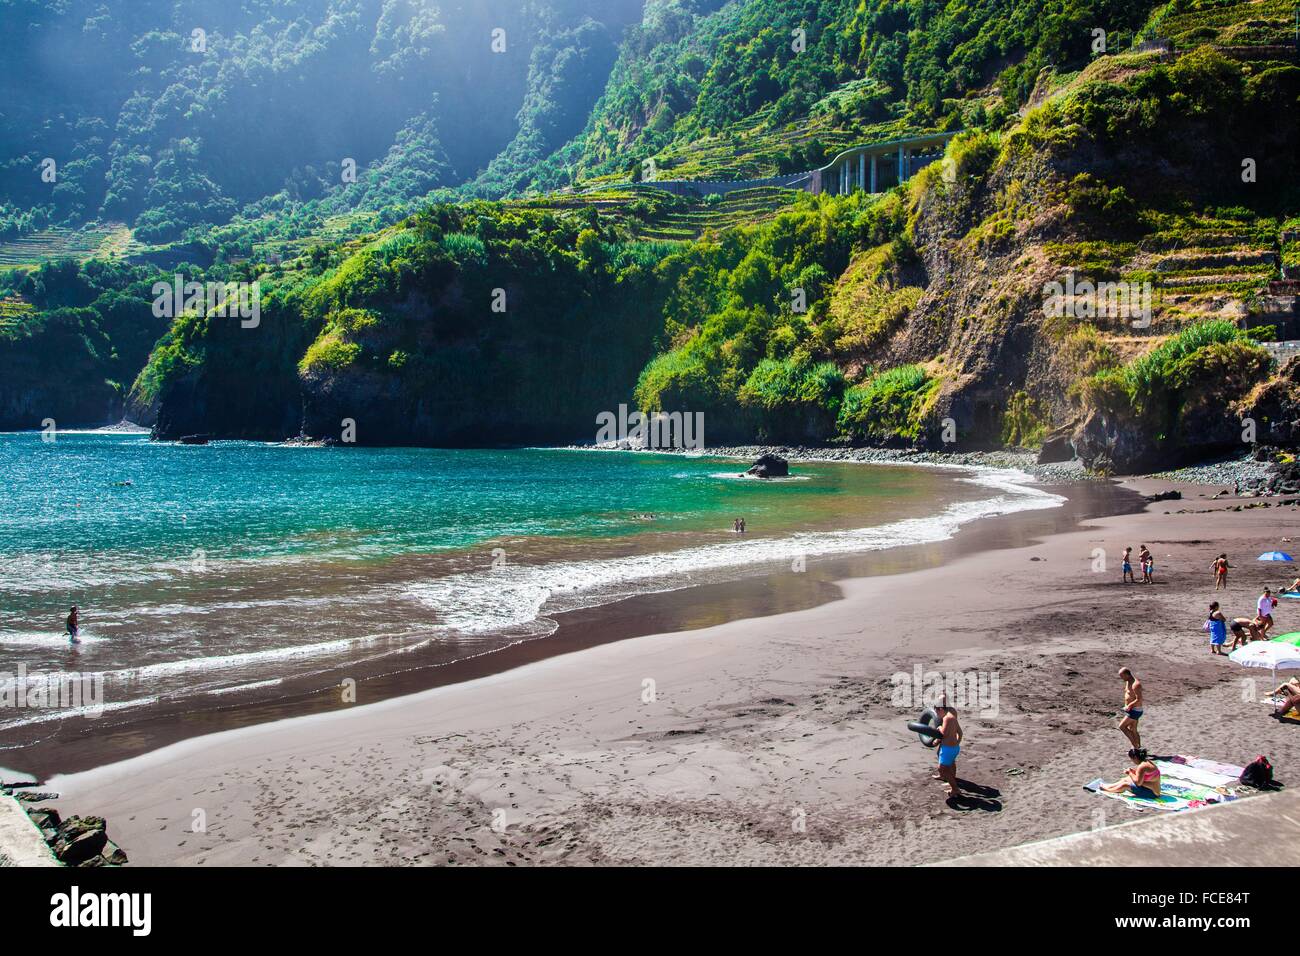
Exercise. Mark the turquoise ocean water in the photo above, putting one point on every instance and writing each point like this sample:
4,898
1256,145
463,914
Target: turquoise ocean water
212,569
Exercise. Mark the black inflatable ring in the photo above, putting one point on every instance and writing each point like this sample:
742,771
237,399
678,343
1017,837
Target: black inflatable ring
927,728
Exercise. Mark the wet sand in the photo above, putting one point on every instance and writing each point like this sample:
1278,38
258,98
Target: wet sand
766,740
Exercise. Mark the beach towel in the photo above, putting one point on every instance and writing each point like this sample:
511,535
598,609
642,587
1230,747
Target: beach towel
1174,795
1171,770
1227,769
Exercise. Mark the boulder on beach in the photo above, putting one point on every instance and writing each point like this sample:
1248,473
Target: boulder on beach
78,839
1056,448
770,466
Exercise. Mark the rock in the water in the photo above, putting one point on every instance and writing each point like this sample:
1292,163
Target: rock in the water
770,466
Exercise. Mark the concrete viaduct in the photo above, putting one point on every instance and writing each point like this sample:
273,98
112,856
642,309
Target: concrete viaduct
872,168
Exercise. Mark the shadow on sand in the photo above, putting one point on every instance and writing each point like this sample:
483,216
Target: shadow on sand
975,796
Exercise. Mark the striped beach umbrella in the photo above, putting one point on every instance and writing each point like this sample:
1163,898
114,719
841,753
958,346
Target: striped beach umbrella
1274,556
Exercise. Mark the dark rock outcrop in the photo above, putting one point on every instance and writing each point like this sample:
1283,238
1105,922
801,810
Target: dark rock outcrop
770,466
78,839
1057,448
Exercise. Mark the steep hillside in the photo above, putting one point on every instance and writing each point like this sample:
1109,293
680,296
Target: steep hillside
169,115
746,89
1092,259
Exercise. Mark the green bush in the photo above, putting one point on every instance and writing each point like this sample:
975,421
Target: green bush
888,405
785,382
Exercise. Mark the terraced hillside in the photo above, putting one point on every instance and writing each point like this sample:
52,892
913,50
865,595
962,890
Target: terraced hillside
59,242
13,309
1253,23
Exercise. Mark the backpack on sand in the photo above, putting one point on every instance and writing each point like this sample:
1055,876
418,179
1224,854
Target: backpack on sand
1258,774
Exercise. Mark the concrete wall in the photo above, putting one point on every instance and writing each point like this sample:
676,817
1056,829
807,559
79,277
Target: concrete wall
21,843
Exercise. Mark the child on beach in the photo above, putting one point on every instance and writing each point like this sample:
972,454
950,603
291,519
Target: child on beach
949,745
1142,779
1148,565
1217,625
1128,567
1220,568
1132,706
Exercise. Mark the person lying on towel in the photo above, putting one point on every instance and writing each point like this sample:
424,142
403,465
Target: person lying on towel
1142,779
1287,696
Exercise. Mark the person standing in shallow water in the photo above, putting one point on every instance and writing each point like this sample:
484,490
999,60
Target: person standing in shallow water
73,624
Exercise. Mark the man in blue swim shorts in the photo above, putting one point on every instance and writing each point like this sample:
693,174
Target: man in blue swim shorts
1132,707
949,745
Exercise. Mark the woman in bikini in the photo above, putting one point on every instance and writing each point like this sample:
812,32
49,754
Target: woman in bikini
1220,568
1142,779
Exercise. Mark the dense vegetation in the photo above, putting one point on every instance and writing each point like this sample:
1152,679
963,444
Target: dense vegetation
170,115
901,319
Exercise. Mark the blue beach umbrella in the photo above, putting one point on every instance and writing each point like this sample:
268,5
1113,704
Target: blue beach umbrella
1274,556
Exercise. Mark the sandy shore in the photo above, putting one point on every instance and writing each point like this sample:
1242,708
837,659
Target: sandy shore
768,741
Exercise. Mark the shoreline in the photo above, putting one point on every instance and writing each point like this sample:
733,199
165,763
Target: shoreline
753,722
74,744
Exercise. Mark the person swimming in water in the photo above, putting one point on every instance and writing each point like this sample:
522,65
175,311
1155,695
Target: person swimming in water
74,626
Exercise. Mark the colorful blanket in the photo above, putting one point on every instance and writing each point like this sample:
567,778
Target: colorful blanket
1174,795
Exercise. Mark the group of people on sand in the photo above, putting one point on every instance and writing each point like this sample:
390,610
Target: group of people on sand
1244,629
1147,562
1143,778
